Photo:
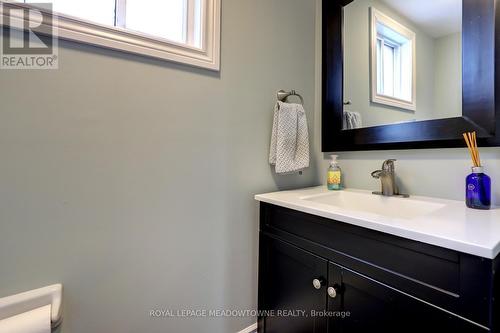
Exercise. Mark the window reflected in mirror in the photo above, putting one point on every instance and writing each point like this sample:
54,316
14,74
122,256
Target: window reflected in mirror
402,61
392,53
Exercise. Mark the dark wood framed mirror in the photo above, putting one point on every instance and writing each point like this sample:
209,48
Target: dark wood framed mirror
480,54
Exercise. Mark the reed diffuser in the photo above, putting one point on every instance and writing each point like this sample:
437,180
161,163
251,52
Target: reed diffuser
477,184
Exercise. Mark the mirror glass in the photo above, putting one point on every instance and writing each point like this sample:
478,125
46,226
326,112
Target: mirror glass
402,61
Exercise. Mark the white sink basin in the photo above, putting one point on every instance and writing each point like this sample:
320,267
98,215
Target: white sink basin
393,207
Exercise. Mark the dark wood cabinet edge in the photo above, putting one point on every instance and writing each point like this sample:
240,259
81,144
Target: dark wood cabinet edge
495,302
260,290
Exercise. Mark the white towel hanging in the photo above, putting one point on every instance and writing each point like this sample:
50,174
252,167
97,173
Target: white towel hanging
289,150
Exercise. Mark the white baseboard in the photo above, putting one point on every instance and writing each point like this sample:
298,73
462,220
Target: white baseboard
249,329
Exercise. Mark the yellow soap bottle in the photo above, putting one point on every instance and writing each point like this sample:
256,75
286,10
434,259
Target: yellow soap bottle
334,175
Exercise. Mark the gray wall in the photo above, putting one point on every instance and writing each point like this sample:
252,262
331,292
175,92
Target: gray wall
448,76
430,172
131,181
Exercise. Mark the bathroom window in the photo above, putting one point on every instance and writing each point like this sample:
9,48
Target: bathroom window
186,31
175,20
97,11
393,62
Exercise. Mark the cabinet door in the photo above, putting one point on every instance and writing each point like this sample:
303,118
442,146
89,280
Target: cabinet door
365,305
286,284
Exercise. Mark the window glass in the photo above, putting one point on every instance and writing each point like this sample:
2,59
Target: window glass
179,21
388,74
394,64
97,11
163,18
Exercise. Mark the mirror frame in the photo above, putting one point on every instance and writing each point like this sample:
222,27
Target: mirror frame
480,87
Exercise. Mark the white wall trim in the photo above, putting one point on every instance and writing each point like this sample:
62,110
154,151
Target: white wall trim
249,329
75,29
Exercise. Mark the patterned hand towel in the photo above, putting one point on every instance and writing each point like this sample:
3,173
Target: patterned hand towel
289,139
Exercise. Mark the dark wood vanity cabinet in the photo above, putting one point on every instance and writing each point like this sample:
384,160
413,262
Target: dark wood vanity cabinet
289,273
368,281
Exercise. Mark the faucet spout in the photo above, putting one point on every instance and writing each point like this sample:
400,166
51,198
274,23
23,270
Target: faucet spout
377,174
387,179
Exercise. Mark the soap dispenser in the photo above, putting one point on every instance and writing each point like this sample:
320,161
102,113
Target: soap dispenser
334,175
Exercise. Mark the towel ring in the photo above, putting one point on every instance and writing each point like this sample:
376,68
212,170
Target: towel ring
283,95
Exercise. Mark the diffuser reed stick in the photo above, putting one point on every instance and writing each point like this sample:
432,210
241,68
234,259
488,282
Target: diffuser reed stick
471,140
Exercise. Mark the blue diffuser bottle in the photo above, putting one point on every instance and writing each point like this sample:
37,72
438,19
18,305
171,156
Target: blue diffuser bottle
478,189
477,184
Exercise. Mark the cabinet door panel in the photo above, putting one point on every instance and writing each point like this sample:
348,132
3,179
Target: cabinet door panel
286,284
375,307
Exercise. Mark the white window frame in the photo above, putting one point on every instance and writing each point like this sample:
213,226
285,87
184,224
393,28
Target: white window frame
118,38
376,97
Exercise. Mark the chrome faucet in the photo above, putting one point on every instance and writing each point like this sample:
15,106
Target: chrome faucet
388,179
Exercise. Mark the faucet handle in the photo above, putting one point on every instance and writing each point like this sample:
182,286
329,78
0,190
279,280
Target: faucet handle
388,165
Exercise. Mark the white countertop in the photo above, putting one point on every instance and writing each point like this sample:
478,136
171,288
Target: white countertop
450,224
